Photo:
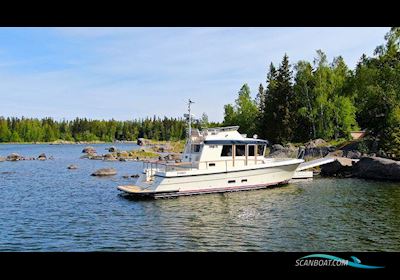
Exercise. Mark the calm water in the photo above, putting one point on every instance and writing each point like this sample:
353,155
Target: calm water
45,207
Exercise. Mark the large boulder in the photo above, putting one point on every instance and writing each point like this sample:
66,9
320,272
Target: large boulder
340,167
276,147
315,143
105,172
42,156
112,149
140,141
14,157
352,154
287,151
377,168
89,150
318,151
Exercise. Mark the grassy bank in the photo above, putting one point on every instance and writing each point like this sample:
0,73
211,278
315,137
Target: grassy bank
142,154
176,146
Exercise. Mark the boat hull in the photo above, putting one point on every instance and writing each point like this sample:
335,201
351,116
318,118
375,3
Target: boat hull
239,180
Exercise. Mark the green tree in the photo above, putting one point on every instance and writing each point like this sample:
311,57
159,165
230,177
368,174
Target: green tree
267,127
306,111
244,113
204,120
279,104
15,137
5,132
376,87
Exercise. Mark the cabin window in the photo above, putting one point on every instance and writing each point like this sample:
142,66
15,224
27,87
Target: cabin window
240,150
195,148
251,150
231,181
211,164
260,150
244,180
226,151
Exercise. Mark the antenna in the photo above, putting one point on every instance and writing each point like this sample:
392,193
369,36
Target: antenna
189,131
189,120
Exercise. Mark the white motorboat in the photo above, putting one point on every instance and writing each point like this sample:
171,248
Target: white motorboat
214,160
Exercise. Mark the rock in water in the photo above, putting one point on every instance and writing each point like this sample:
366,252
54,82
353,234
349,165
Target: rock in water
72,166
123,154
42,157
112,149
89,150
340,167
14,157
109,157
2,159
105,172
377,168
95,157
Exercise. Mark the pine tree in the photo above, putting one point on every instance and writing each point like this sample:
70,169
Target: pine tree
267,128
279,104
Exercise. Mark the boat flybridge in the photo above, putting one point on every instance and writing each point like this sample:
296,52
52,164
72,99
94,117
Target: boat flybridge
214,160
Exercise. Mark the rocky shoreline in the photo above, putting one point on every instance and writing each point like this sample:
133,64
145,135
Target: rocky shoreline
17,157
135,155
376,168
350,162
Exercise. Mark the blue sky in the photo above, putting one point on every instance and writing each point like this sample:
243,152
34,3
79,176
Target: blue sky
126,73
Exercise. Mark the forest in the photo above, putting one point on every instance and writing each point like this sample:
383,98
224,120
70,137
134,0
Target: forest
81,129
322,99
29,130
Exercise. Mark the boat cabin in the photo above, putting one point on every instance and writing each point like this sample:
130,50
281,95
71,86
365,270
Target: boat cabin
223,147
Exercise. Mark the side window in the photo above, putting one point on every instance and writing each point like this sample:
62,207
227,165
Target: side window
240,150
226,151
251,150
195,148
260,150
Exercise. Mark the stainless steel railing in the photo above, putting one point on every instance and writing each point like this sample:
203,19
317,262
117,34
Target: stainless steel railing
157,166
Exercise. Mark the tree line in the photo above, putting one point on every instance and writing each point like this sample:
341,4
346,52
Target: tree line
82,129
326,100
23,129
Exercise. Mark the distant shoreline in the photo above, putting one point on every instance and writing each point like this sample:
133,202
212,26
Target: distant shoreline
67,143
